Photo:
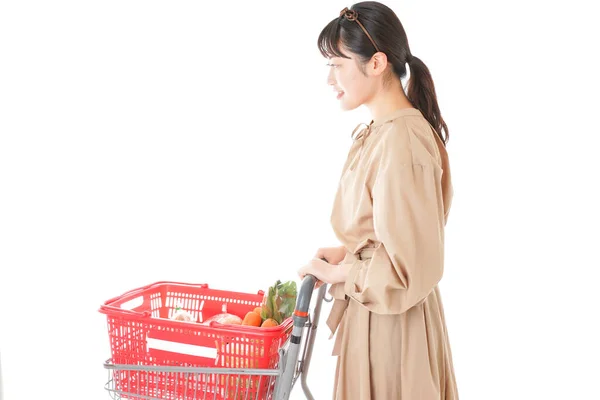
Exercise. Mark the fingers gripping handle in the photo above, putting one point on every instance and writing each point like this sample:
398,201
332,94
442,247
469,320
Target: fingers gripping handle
304,295
303,303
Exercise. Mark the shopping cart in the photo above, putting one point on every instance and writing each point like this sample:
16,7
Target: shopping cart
248,367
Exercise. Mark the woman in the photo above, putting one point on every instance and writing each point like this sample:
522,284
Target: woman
389,213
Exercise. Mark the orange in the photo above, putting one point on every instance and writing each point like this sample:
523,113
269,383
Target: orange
252,319
269,322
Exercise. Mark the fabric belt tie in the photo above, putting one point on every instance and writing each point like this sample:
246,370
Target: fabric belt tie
340,298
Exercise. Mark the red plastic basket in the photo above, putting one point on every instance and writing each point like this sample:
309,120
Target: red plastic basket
141,333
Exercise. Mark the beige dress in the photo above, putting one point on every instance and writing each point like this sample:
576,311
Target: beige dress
390,212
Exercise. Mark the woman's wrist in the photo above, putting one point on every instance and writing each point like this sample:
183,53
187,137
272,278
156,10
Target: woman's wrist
341,272
342,254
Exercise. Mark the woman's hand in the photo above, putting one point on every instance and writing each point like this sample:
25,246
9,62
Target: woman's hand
333,255
323,271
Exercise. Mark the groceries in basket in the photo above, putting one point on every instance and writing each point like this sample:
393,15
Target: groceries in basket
277,305
182,315
224,318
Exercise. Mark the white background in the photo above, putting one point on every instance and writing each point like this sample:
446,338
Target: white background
198,142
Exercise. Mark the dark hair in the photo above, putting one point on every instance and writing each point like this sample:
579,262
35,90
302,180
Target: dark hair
387,32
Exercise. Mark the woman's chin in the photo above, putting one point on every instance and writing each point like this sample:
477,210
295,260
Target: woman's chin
346,106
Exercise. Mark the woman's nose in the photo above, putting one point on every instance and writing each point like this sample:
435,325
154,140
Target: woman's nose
330,80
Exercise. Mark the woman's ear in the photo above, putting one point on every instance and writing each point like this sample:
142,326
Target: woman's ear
378,63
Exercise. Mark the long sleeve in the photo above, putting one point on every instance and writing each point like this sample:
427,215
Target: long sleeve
408,221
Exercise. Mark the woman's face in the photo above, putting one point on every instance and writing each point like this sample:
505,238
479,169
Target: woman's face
351,87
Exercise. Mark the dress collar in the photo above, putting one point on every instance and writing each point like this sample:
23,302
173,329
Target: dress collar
366,131
393,115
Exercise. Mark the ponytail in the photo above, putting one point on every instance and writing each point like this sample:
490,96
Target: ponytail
421,93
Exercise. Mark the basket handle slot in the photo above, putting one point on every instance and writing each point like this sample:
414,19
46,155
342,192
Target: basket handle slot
133,303
181,348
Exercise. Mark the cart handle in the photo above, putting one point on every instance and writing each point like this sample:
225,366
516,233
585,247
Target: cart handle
304,295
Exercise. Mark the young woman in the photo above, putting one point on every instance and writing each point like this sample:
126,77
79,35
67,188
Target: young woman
389,213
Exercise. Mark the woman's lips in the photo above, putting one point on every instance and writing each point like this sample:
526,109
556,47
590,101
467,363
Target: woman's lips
339,95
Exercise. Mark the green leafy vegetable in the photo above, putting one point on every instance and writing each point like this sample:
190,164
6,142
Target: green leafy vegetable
280,301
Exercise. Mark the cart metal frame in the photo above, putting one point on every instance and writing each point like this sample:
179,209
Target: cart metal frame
292,364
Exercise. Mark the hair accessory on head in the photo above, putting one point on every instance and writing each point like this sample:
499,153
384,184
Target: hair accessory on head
352,15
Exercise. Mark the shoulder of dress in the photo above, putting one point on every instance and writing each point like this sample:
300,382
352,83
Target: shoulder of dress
412,139
395,142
